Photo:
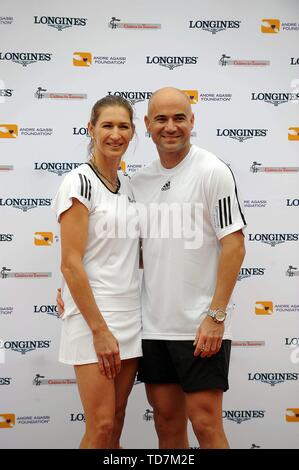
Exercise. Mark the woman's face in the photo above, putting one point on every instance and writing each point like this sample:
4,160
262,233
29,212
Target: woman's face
112,133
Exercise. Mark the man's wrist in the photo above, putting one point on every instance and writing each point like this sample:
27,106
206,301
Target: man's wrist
218,315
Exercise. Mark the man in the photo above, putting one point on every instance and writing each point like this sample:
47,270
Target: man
187,285
186,289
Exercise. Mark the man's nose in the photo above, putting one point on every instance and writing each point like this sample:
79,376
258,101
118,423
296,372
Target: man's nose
170,125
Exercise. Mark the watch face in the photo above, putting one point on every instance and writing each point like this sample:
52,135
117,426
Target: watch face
220,316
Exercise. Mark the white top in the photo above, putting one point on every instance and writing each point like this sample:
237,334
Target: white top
111,254
180,270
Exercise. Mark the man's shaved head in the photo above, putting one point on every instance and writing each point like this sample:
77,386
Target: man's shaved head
168,93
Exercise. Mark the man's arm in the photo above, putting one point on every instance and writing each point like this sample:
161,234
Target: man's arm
209,334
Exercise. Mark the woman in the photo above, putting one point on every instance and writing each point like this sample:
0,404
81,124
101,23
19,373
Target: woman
101,331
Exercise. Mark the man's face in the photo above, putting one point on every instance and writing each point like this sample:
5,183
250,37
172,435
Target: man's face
170,122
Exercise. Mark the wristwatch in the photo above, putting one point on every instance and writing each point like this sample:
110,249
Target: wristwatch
218,315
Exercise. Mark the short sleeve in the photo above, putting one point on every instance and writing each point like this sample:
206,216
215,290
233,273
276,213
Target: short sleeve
226,211
75,185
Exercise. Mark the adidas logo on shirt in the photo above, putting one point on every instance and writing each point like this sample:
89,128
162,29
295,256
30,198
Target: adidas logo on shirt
166,186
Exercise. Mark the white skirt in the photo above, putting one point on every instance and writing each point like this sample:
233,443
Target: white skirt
76,343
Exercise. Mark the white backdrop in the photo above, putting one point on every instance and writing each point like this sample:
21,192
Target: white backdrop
246,109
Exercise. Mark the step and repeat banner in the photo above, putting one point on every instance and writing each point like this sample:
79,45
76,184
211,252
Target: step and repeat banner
239,64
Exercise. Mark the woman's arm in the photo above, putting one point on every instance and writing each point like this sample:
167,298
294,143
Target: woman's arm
74,232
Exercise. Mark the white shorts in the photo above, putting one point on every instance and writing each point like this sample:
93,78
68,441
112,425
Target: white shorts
76,343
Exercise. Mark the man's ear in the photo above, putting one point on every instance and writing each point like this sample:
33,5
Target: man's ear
146,122
192,120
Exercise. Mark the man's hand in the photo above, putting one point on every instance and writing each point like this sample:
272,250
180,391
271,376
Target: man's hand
60,303
208,338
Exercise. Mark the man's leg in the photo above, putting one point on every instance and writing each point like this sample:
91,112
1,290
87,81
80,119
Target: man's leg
168,402
204,409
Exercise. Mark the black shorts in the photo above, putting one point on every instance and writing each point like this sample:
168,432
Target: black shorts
173,362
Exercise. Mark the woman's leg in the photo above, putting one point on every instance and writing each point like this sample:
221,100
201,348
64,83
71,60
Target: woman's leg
123,386
97,394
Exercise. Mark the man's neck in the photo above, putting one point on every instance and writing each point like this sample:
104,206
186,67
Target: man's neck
170,160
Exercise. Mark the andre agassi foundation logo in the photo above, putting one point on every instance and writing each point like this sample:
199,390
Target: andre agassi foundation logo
270,26
82,59
7,420
192,95
9,131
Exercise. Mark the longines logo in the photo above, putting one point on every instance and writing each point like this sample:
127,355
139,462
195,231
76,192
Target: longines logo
249,272
77,417
6,168
239,416
294,61
132,96
6,92
292,271
25,204
25,58
292,341
216,96
115,23
41,94
6,19
48,309
6,273
24,347
274,98
80,131
273,378
255,203
242,134
59,22
293,202
41,380
273,239
227,60
6,237
171,62
214,26
6,310
246,344
5,380
257,167
59,168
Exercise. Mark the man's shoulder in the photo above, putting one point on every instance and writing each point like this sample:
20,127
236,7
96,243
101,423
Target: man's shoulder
206,160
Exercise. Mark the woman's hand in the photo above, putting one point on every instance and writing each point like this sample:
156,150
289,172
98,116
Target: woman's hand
107,350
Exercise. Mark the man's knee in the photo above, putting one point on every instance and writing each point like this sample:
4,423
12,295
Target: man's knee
169,422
